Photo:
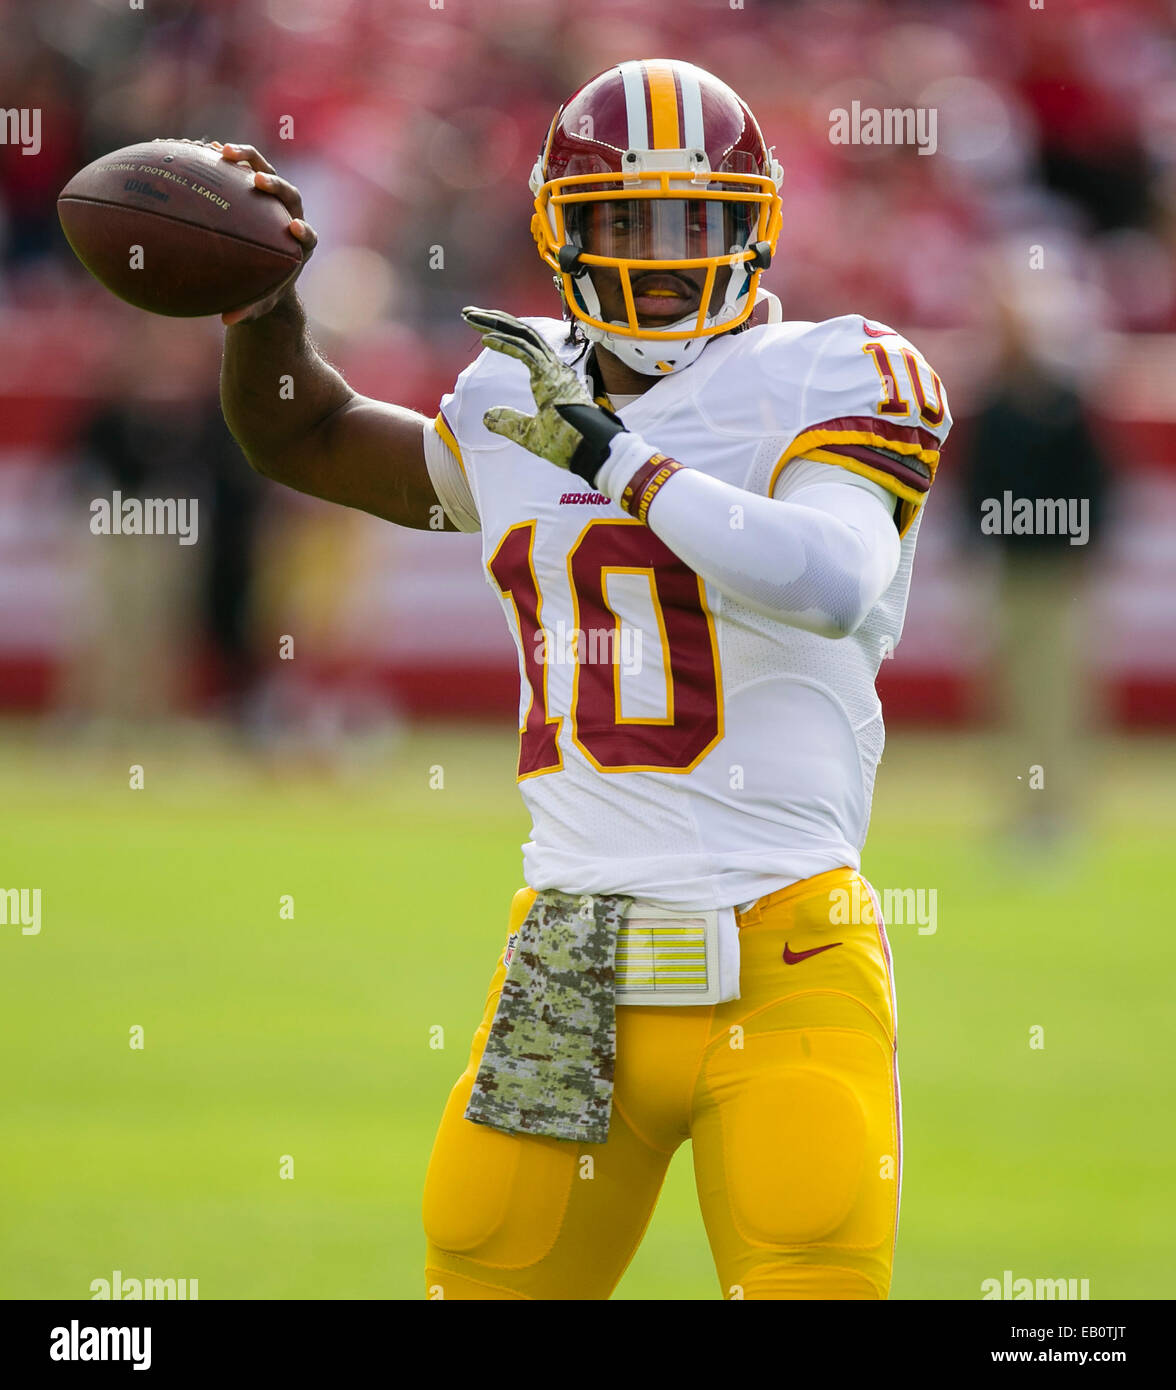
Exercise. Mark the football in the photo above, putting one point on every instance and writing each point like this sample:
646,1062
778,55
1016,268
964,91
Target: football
171,227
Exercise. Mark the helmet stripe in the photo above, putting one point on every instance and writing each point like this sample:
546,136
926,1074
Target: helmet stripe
663,104
694,138
635,106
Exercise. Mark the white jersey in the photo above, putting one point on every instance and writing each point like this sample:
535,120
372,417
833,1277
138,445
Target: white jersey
682,748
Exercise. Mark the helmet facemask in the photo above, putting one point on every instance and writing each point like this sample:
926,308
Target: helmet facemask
663,219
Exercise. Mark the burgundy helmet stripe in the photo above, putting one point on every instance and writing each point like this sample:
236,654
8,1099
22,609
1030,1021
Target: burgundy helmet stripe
647,106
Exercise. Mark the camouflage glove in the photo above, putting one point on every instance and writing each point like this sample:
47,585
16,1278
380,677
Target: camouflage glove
569,428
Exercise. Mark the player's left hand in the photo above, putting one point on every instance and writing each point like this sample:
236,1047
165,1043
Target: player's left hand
568,429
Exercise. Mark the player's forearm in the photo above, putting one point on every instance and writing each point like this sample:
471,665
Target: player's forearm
276,389
816,569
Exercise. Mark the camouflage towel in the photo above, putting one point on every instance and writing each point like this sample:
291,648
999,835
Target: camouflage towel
551,1055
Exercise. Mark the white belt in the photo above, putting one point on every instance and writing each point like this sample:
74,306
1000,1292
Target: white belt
672,957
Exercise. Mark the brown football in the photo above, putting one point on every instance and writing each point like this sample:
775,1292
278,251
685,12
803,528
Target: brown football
171,227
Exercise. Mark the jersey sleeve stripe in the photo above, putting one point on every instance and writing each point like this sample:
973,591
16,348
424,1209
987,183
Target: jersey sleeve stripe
876,475
912,473
905,466
442,426
905,439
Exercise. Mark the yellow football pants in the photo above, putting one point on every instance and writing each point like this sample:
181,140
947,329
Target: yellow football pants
789,1096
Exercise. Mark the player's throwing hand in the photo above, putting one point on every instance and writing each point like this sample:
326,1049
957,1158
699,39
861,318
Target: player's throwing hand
265,180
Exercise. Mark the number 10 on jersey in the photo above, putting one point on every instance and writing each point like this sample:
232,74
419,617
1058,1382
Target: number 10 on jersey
612,742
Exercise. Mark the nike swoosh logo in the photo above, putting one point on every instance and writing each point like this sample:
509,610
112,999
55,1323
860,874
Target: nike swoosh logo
876,333
791,957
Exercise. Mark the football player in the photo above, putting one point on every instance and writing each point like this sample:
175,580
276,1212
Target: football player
740,503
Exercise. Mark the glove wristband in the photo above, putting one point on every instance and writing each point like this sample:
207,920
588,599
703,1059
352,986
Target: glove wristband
599,427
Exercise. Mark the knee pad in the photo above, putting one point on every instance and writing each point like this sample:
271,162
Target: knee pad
496,1198
807,1120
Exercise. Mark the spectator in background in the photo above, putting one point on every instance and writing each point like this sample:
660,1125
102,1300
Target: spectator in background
1031,441
1091,150
41,85
162,615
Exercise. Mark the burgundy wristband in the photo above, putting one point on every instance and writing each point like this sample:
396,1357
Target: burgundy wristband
646,483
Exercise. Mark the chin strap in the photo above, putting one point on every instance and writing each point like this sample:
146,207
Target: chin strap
599,390
775,309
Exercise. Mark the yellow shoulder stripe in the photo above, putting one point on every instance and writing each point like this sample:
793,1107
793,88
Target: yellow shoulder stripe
442,427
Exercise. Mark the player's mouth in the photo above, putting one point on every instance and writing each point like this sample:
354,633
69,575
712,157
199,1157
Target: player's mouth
663,296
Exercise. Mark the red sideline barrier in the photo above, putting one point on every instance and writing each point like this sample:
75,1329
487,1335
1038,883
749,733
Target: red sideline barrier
72,351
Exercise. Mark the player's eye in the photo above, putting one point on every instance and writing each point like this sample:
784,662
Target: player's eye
742,221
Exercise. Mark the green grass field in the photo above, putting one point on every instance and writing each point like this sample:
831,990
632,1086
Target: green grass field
311,1037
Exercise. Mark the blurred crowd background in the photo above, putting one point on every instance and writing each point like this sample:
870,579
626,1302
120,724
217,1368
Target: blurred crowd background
1032,257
